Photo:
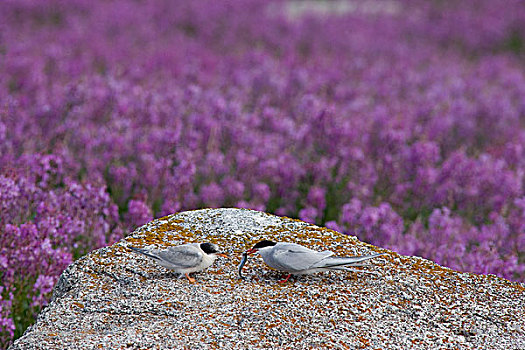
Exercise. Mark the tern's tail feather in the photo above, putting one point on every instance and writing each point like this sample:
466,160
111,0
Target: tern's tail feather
335,262
144,252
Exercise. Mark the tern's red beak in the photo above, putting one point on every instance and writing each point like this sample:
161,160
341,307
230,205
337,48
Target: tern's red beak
223,255
251,251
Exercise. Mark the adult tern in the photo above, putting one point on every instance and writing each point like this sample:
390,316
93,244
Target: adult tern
298,260
184,259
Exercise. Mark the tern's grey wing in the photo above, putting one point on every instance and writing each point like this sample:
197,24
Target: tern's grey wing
183,256
294,257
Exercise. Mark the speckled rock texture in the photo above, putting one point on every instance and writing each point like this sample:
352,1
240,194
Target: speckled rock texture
116,299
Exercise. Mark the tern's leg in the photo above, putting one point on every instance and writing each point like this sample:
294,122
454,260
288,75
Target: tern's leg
191,279
286,279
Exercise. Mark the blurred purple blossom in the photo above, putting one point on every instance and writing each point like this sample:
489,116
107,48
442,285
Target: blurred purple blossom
309,214
138,213
212,194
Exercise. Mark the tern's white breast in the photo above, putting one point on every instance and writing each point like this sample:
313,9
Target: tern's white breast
207,261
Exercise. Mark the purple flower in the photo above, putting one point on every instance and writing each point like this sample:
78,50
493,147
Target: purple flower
332,225
261,192
233,188
138,213
212,194
316,198
309,214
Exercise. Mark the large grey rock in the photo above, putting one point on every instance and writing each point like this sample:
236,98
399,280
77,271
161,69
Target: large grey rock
116,299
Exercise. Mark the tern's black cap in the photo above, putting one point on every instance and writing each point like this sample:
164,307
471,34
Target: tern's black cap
209,248
263,244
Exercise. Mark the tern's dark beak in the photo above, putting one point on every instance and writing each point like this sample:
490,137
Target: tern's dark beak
223,255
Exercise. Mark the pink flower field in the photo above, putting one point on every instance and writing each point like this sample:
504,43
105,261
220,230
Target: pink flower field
401,122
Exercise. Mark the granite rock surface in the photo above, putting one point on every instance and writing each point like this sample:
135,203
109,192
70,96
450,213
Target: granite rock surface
114,298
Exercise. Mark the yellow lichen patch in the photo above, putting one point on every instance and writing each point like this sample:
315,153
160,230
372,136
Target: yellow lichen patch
77,304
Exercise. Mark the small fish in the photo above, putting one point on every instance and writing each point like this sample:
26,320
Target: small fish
243,261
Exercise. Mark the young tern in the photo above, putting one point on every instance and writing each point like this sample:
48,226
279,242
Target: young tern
298,260
184,259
